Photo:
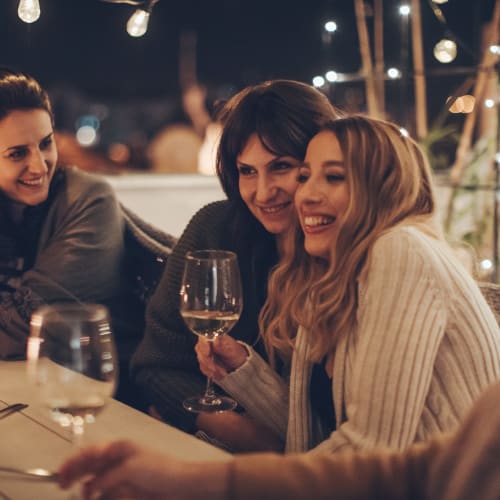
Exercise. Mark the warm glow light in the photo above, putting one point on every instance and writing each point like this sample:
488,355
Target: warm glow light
458,105
469,103
138,23
331,26
440,1
28,10
445,51
318,81
404,10
489,103
495,49
393,73
404,132
332,76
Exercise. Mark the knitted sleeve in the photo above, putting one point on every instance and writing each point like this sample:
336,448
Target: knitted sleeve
390,357
261,391
459,466
165,365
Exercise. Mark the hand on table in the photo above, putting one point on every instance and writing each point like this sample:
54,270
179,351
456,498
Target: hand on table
219,357
122,469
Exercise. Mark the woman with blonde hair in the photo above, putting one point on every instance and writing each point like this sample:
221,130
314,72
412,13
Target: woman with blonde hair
387,338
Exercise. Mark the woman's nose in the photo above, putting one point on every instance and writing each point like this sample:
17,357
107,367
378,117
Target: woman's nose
37,162
266,189
309,193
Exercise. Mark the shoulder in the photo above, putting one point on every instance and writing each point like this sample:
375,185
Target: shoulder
79,181
82,189
406,241
213,216
216,208
80,192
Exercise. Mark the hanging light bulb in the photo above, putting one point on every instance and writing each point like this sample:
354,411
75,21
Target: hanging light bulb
138,23
29,10
445,51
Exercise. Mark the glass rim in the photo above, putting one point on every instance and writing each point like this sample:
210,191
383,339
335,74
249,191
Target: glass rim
209,255
88,311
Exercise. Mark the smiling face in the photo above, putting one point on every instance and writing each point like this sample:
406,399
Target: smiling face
28,155
267,184
323,195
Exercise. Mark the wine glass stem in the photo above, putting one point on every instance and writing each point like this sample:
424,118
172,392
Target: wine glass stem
209,391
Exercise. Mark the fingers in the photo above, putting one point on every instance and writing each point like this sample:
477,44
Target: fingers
233,354
210,365
114,483
221,356
94,460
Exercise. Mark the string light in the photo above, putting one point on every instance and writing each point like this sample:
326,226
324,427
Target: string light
332,76
29,10
404,10
318,81
137,25
445,51
393,73
331,26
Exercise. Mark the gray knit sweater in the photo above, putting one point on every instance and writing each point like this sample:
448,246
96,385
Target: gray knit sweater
425,345
78,257
165,365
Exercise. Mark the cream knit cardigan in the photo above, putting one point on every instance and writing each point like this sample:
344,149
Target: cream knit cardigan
425,346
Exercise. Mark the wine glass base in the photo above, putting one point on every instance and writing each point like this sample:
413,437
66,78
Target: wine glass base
201,404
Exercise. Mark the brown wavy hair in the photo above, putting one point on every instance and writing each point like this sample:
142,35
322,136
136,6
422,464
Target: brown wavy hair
389,181
20,91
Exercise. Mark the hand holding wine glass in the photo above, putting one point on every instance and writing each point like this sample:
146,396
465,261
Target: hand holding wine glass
72,358
211,304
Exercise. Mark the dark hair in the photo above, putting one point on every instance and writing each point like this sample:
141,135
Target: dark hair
285,115
21,91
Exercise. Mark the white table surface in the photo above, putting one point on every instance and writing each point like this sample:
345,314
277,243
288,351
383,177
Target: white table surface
31,439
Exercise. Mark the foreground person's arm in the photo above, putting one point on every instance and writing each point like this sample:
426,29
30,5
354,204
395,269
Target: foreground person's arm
460,467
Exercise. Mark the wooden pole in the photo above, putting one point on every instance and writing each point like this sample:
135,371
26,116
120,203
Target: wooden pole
487,65
418,69
379,55
366,59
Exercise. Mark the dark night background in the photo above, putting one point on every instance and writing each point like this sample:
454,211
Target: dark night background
80,50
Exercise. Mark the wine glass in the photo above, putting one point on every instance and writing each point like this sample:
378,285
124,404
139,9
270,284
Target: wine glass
211,303
72,358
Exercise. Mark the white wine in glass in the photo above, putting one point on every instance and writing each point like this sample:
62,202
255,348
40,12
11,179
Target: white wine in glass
72,358
211,304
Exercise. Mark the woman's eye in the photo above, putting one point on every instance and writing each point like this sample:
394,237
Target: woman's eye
17,155
335,178
282,166
301,178
245,170
46,143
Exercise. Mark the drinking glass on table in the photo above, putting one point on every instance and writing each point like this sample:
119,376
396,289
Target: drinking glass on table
210,303
72,358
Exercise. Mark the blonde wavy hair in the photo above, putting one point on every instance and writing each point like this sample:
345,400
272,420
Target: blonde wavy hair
389,181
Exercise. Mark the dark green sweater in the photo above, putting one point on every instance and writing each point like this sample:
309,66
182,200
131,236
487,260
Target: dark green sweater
165,365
